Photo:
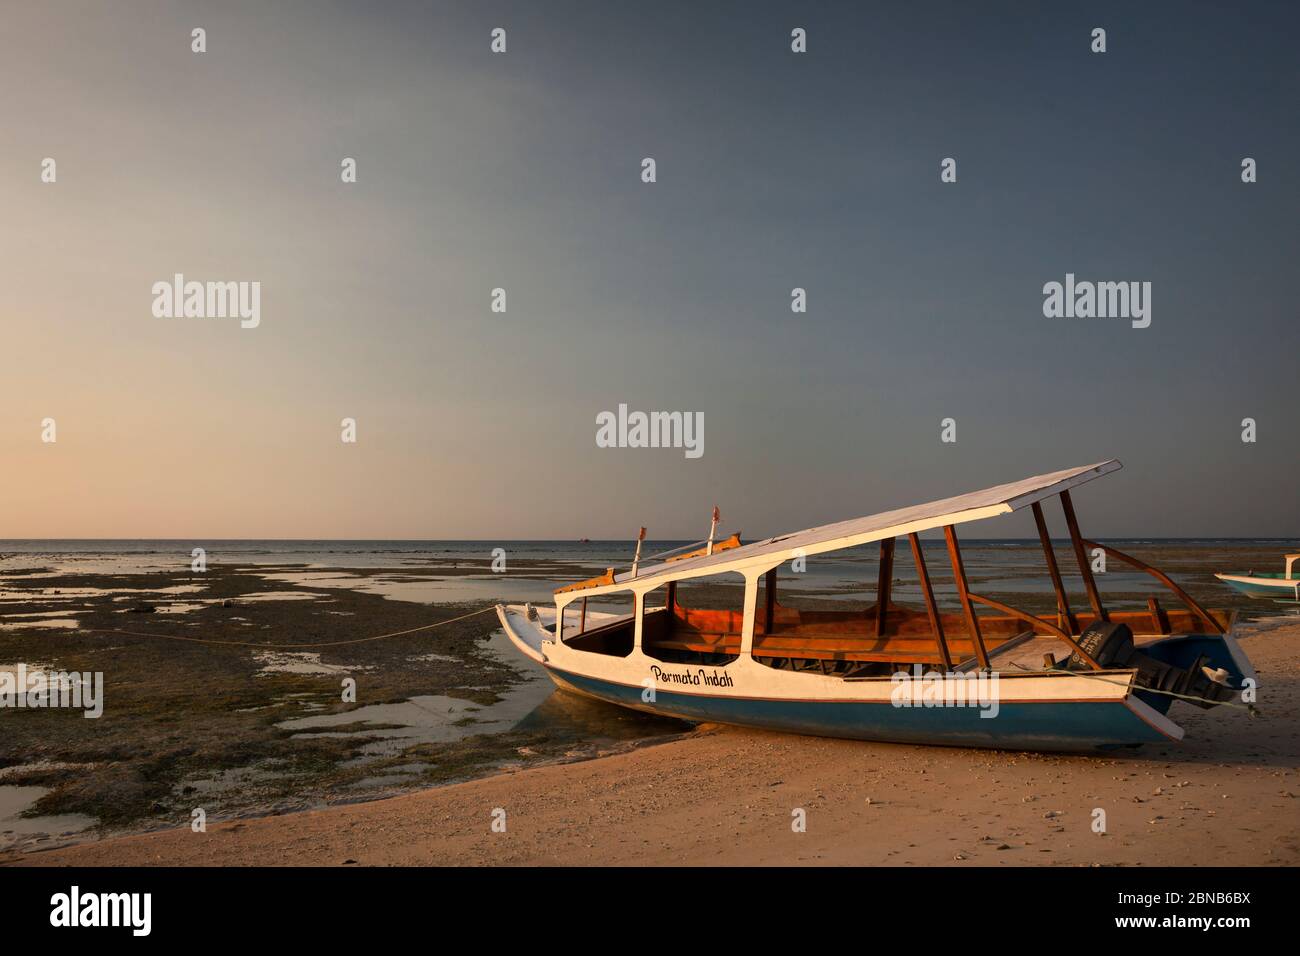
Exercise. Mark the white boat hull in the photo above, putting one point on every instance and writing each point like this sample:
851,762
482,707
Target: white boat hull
1283,589
1025,711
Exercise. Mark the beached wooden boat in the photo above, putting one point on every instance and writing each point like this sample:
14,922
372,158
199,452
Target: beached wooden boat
1074,680
1268,584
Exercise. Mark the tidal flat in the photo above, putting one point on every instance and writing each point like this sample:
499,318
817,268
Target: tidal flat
254,728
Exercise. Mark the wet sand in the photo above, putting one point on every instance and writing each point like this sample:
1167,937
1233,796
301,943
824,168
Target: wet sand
1229,794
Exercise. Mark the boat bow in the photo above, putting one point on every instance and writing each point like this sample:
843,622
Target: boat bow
525,630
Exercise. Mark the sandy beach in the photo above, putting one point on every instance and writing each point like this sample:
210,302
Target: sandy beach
1227,795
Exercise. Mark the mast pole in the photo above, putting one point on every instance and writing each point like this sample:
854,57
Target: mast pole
636,560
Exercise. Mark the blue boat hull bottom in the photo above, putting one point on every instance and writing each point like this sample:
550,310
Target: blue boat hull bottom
1060,726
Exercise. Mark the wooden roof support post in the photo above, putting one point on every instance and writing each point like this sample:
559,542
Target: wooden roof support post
638,617
1081,556
963,592
561,608
883,582
931,608
749,620
582,621
1065,619
769,601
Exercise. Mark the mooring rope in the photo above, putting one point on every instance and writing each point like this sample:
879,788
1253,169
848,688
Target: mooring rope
1249,708
280,647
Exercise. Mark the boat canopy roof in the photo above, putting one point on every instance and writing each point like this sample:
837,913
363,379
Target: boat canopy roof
973,506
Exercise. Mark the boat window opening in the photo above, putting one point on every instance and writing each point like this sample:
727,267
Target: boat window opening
697,621
584,630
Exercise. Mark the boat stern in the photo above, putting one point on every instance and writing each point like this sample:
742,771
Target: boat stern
1216,670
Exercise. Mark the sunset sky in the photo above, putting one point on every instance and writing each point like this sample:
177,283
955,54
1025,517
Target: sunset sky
522,170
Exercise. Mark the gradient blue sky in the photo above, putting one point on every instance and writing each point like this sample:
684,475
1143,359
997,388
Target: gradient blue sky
521,170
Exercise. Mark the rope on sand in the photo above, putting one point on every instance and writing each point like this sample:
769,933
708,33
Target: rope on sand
280,647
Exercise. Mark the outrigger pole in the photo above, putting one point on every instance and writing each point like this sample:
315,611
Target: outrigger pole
713,527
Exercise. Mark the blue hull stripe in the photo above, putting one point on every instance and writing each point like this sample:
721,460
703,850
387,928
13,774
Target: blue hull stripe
1049,725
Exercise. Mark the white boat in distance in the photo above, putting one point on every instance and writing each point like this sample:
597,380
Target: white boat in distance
1266,584
995,680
